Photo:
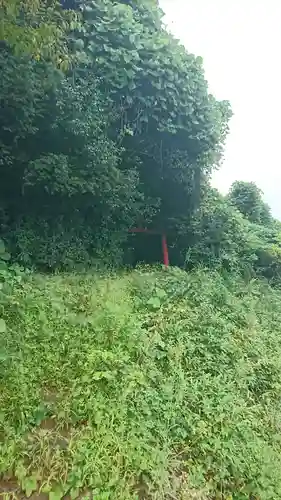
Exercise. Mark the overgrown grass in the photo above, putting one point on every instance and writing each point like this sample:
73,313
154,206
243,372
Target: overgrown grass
152,384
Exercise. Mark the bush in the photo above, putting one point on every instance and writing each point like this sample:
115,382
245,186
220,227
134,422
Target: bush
222,237
247,198
10,276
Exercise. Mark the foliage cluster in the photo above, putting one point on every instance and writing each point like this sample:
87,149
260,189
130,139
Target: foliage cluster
124,136
10,277
236,233
247,198
146,385
127,135
37,28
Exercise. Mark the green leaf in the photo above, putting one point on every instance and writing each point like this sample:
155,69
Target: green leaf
103,375
56,493
79,44
5,256
3,357
3,326
74,494
154,302
29,485
161,293
20,471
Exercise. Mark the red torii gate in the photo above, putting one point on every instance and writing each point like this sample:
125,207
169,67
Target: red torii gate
164,241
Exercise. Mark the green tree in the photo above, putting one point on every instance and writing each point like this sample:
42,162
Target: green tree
60,169
37,28
267,248
222,237
168,123
248,198
129,137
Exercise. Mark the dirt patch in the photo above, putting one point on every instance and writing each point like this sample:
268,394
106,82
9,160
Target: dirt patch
50,431
10,490
49,395
48,424
8,486
141,490
183,491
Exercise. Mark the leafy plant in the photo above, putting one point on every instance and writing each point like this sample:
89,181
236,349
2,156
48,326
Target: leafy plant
38,29
124,138
4,255
10,277
134,399
247,198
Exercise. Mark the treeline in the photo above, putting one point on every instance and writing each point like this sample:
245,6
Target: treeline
107,123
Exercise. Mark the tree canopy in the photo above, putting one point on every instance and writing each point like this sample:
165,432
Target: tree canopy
37,28
125,136
248,198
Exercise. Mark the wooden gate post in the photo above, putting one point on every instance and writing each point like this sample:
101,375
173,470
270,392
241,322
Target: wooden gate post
165,251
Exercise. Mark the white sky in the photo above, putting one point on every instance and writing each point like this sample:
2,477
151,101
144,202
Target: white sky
240,42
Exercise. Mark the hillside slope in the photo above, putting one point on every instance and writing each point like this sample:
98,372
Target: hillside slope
152,384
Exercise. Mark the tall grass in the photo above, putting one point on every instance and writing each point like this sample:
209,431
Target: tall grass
150,384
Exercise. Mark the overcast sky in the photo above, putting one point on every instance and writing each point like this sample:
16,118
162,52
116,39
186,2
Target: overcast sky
240,42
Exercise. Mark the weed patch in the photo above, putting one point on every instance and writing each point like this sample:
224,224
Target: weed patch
152,384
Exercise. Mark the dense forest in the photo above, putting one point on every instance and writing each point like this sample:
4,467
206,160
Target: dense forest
107,123
117,381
